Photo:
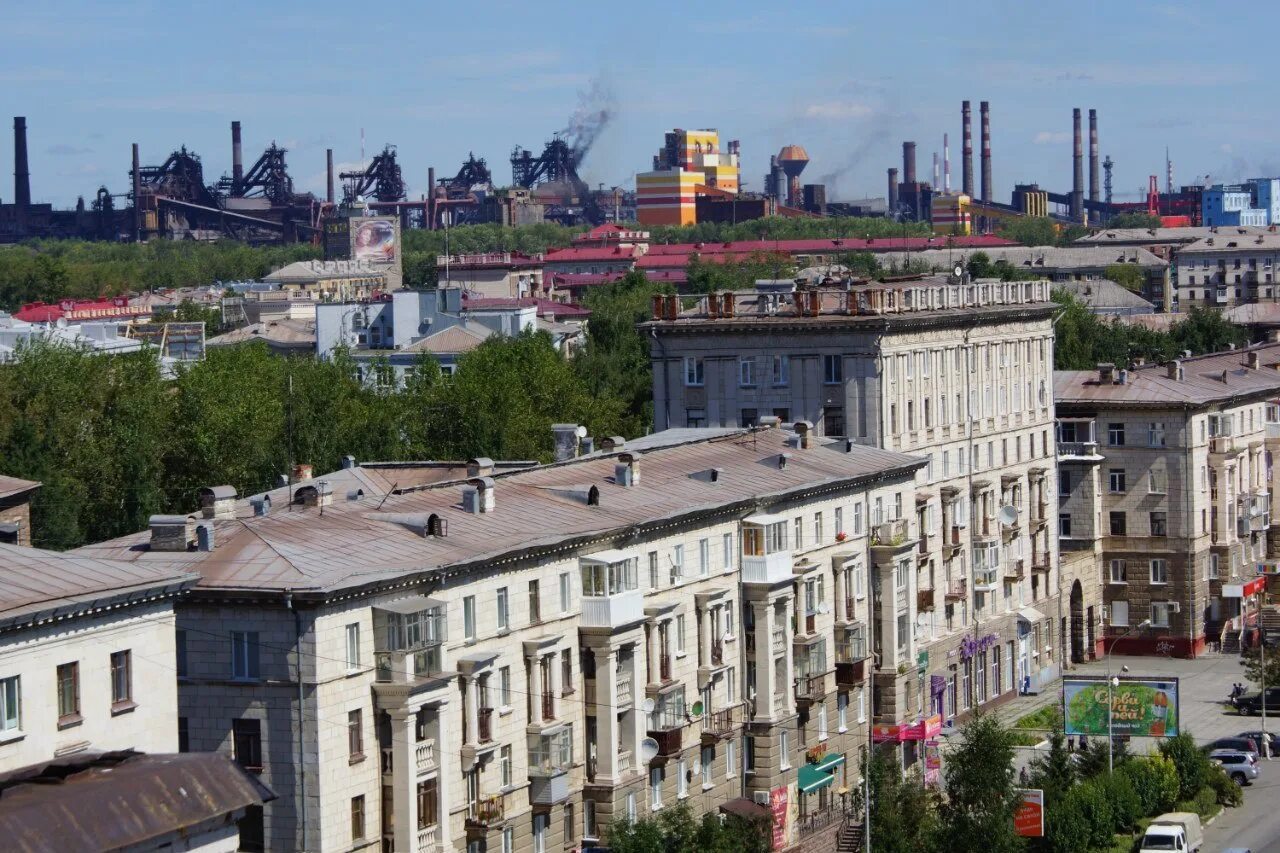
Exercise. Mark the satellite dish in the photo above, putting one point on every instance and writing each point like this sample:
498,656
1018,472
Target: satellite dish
959,271
1008,515
696,710
648,750
1255,511
696,768
647,706
823,608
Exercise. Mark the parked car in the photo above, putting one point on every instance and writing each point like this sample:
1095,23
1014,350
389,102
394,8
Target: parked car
1251,703
1257,738
1240,766
1243,743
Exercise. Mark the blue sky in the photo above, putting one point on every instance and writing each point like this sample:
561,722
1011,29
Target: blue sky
849,81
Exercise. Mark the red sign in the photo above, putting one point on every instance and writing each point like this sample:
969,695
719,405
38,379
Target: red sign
1029,819
778,805
927,728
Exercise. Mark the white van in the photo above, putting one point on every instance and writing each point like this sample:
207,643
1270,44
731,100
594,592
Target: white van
1177,831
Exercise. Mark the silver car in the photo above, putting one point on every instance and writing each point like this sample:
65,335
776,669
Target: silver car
1240,766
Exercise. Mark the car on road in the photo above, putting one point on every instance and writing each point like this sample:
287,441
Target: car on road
1271,737
1251,703
1240,766
1243,743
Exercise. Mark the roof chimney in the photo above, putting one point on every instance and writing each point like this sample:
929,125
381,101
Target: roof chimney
301,472
261,504
479,496
21,173
1254,359
1173,369
612,442
481,466
728,304
218,501
768,422
171,532
627,471
1106,372
893,190
985,109
348,462
567,438
804,432
966,152
205,536
320,494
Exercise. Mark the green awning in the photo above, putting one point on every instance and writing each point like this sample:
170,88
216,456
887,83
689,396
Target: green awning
811,779
830,762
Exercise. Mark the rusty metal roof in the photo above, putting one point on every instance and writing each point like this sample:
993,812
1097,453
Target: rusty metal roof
1208,379
115,800
10,486
357,542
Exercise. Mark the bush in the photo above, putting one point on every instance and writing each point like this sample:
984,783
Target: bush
1205,802
1085,820
1155,780
1228,793
1193,766
1126,805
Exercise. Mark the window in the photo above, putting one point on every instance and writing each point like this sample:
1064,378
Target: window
1213,567
839,521
1116,479
726,551
746,372
682,779
244,655
857,519
469,617
704,556
695,418
565,592
1157,481
677,563
822,722
731,674
833,420
798,532
508,840
1064,524
1064,484
1155,435
1159,571
355,735
842,711
1119,572
184,735
1118,525
784,749
246,743
180,648
781,370
748,417
653,570
353,647
749,753
708,761
1115,435
832,369
566,673
655,787
535,602
862,704
357,818
504,686
692,371
730,759
504,766
568,824
11,704
1120,614
121,678
1159,524
504,615
68,692
680,634
1160,614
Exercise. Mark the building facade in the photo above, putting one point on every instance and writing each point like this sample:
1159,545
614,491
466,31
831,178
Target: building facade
956,372
15,509
1233,266
690,162
700,625
1255,202
1165,480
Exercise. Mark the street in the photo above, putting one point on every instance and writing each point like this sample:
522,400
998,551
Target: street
1203,685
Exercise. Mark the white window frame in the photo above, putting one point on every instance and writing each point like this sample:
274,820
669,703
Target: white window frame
704,556
1118,572
679,629
842,712
566,592
244,650
469,617
784,748
1162,566
1160,611
726,551
694,372
730,759
781,373
353,647
504,609
655,787
10,701
1119,614
747,372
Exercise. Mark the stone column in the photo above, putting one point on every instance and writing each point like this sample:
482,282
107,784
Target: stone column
473,708
651,654
404,773
838,590
763,611
535,689
789,673
445,747
706,625
554,670
606,715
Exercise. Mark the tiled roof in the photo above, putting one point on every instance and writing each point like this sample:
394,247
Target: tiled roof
377,537
39,312
1207,379
1167,235
586,254
835,244
571,280
454,340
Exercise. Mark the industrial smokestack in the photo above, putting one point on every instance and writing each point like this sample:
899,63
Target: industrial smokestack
137,192
1077,162
946,165
328,160
1093,155
21,175
985,111
893,190
908,162
237,157
966,151
935,169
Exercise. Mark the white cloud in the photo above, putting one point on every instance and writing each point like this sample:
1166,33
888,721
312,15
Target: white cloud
837,110
1048,137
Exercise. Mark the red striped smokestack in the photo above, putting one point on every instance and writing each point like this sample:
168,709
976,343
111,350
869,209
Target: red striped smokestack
966,155
985,110
1093,155
908,162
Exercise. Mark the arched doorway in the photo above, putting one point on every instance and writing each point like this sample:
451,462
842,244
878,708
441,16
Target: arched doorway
1077,623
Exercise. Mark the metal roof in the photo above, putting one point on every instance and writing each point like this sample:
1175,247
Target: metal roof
1047,258
1226,240
354,543
1208,379
10,486
1120,236
1101,294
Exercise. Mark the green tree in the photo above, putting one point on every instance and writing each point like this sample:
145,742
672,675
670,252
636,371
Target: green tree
981,792
1030,231
188,311
1129,276
1133,220
979,266
675,830
1193,766
1253,669
1053,772
737,274
1082,822
1206,330
904,813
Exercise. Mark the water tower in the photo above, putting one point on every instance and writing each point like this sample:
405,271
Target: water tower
793,159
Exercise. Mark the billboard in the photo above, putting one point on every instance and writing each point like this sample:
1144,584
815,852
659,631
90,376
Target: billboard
374,240
1140,707
1028,820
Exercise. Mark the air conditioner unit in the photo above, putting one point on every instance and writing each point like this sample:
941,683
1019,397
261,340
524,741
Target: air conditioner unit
1175,606
761,798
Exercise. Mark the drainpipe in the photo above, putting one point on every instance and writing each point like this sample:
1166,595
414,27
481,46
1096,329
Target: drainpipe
666,388
302,772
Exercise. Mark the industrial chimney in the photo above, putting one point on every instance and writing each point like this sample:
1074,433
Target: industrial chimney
21,175
985,111
136,176
936,175
893,190
1077,162
908,162
966,176
328,160
1093,155
946,165
237,157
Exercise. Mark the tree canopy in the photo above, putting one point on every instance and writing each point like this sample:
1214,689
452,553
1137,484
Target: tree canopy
676,830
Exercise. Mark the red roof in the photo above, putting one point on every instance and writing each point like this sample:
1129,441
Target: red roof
674,261
586,254
79,309
570,281
836,244
566,310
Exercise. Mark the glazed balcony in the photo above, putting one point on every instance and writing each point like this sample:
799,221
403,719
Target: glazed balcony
487,811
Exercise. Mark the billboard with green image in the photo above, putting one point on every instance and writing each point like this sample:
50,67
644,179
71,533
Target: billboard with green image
1140,707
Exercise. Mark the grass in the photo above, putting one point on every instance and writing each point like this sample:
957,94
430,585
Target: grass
1026,738
1044,719
1129,843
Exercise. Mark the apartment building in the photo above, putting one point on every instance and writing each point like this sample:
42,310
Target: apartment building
15,509
957,372
487,656
1165,474
87,656
1232,266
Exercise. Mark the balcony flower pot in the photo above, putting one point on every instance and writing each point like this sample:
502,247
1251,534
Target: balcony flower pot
840,537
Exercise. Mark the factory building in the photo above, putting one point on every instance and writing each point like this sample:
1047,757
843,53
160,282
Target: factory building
690,162
1255,202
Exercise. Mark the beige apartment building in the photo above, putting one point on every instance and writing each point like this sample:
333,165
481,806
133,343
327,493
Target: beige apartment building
957,372
1165,481
87,656
502,657
1229,266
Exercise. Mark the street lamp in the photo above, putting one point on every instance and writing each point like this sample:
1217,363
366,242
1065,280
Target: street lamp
1113,682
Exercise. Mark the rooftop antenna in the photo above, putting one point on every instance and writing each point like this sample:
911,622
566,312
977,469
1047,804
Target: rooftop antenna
1168,172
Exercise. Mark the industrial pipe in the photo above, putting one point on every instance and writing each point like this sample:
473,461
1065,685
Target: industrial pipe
237,157
985,111
966,151
893,191
136,175
1077,163
946,164
328,158
1093,155
908,162
21,173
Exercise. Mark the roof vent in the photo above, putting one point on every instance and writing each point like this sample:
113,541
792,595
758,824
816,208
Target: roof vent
355,494
627,471
348,462
611,443
568,439
768,422
261,504
481,466
437,526
218,501
848,445
593,496
171,532
1123,377
1222,377
1254,360
715,474
588,445
204,536
320,494
1106,373
728,304
1186,353
804,434
1231,347
782,460
479,496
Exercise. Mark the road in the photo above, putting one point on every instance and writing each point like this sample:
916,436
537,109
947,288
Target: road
1204,684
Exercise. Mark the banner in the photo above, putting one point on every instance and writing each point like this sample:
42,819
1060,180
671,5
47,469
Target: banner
1029,819
778,800
1140,707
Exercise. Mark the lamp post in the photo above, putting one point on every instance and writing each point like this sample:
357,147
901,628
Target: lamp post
1113,682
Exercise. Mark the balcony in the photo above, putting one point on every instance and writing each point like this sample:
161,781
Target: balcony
611,594
956,591
670,740
408,634
890,533
985,580
484,719
612,611
779,639
1040,563
719,725
811,688
810,624
664,667
425,753
487,811
426,837
924,599
1041,516
1078,451
766,557
1015,570
388,763
624,693
851,658
550,758
548,705
717,652
1224,445
850,610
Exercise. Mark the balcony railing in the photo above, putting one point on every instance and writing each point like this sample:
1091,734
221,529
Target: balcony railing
1077,449
779,639
957,591
1040,563
484,719
924,599
670,741
749,640
388,760
850,609
1223,444
985,580
426,755
717,652
548,705
811,688
624,692
427,837
487,811
851,656
1014,570
722,723
664,667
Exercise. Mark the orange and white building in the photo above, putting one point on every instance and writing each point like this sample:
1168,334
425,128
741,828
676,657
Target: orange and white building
690,163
